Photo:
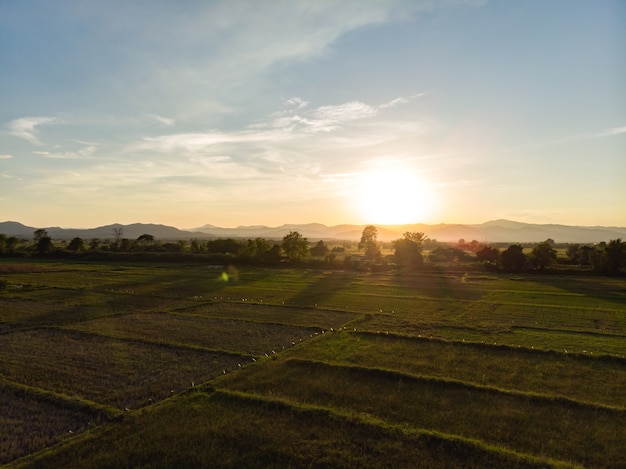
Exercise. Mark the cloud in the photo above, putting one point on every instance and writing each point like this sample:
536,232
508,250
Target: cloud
298,103
82,153
26,127
345,112
613,131
166,121
5,157
401,100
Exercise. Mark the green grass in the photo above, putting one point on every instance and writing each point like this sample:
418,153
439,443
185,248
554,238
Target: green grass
444,369
553,428
505,367
244,337
105,370
234,430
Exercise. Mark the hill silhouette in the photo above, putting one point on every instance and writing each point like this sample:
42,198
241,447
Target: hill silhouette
495,231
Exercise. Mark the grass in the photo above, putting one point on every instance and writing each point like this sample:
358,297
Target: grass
109,371
237,336
226,429
553,428
420,380
506,367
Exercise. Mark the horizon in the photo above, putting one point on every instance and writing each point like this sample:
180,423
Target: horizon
240,226
392,113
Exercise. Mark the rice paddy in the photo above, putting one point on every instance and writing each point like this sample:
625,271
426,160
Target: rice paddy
176,365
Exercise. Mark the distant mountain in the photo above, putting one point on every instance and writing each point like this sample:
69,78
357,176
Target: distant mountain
496,231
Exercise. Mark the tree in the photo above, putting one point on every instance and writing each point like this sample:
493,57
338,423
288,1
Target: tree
197,246
488,254
146,239
513,258
76,244
615,252
43,242
369,242
320,249
94,244
118,233
543,255
296,247
11,245
408,249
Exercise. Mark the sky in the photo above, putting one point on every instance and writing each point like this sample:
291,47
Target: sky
266,112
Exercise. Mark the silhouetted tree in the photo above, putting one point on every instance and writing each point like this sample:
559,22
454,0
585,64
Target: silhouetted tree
447,254
543,255
488,254
296,247
513,258
76,244
146,239
43,242
320,249
615,255
369,242
11,244
273,255
118,233
94,244
223,246
408,249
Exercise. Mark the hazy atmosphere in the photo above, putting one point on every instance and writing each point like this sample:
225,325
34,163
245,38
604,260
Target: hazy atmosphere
246,112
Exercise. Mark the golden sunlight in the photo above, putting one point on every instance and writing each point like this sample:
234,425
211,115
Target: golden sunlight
393,196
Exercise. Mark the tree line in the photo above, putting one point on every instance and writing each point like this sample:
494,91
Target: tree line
414,250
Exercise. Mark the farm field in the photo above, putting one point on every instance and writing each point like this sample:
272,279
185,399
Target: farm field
152,365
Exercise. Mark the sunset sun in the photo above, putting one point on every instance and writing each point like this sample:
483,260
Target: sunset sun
393,196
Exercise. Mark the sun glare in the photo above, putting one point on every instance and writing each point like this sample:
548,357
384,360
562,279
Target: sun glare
393,196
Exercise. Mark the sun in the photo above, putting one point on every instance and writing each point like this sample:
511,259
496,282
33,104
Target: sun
393,195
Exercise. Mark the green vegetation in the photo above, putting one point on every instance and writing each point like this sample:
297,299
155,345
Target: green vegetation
187,365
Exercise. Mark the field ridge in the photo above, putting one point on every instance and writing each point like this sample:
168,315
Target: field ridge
532,396
369,420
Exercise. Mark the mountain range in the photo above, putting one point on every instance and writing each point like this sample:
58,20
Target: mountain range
496,231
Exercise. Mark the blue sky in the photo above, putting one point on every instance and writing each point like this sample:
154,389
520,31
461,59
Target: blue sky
270,112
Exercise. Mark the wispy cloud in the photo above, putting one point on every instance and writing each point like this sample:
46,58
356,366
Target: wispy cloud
27,127
400,100
5,157
298,103
346,112
613,131
82,153
166,121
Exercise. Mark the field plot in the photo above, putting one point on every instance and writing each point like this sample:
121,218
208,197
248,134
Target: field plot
244,337
585,434
108,371
434,369
29,423
224,430
548,373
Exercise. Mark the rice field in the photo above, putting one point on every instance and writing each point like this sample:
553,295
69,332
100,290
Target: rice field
179,365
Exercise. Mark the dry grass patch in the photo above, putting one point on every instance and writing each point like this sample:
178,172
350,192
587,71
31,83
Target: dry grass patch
109,371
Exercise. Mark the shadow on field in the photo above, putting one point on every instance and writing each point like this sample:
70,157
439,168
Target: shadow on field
323,289
440,285
606,289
